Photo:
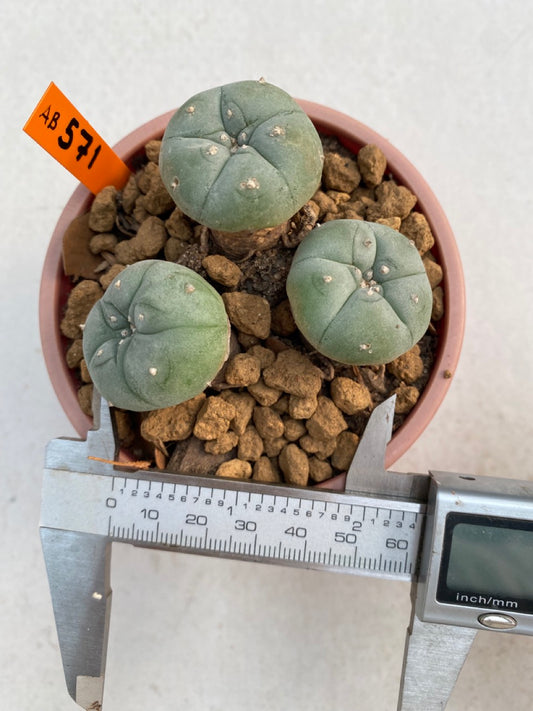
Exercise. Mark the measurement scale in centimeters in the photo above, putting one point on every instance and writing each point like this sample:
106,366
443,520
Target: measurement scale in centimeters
311,529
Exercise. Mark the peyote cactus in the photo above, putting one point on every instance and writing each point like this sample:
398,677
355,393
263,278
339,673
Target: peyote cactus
359,292
243,156
157,337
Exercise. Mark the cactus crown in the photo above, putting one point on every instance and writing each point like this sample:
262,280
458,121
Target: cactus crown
243,156
359,292
157,337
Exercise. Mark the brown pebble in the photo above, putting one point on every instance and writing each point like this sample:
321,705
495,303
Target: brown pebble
85,399
244,404
263,394
74,353
302,408
340,172
294,429
84,372
80,301
156,200
372,164
416,228
152,150
283,323
222,270
225,443
324,202
242,369
130,193
293,373
103,211
174,248
319,470
213,418
321,448
392,201
350,396
406,398
103,242
151,237
235,469
327,422
393,222
250,445
248,313
438,304
408,367
171,424
265,356
109,276
268,423
274,446
264,470
179,227
294,464
344,451
433,270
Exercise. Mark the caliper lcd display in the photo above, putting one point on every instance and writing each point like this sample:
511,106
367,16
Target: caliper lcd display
487,562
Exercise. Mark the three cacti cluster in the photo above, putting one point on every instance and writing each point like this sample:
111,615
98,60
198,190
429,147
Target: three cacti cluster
244,157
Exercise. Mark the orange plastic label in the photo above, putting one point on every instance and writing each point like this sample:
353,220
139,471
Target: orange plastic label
61,130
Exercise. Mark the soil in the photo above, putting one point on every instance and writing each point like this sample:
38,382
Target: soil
278,411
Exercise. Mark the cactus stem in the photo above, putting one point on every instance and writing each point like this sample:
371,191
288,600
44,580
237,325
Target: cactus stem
174,184
327,278
152,371
250,184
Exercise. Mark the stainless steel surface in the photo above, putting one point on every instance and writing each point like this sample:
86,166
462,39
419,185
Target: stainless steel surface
434,656
367,473
78,567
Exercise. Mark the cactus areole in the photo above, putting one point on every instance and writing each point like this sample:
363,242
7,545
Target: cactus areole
243,156
359,292
157,337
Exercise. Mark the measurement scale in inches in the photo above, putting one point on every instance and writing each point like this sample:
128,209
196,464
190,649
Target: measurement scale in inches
307,528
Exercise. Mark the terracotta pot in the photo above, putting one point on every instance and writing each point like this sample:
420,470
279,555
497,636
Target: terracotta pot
55,286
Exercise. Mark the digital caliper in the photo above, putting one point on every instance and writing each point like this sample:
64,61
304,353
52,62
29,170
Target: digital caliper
464,542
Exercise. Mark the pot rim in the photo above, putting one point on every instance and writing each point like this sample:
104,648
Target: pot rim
351,133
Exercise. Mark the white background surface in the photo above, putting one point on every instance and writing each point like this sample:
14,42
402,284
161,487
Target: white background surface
448,83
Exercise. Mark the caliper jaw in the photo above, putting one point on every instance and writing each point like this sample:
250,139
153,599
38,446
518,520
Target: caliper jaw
78,565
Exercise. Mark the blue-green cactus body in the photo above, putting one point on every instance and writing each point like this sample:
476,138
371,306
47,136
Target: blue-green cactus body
359,292
157,337
243,156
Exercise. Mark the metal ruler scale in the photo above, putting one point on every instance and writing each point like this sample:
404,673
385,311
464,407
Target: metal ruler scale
306,528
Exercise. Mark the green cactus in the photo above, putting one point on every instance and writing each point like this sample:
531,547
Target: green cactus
157,337
359,292
243,156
